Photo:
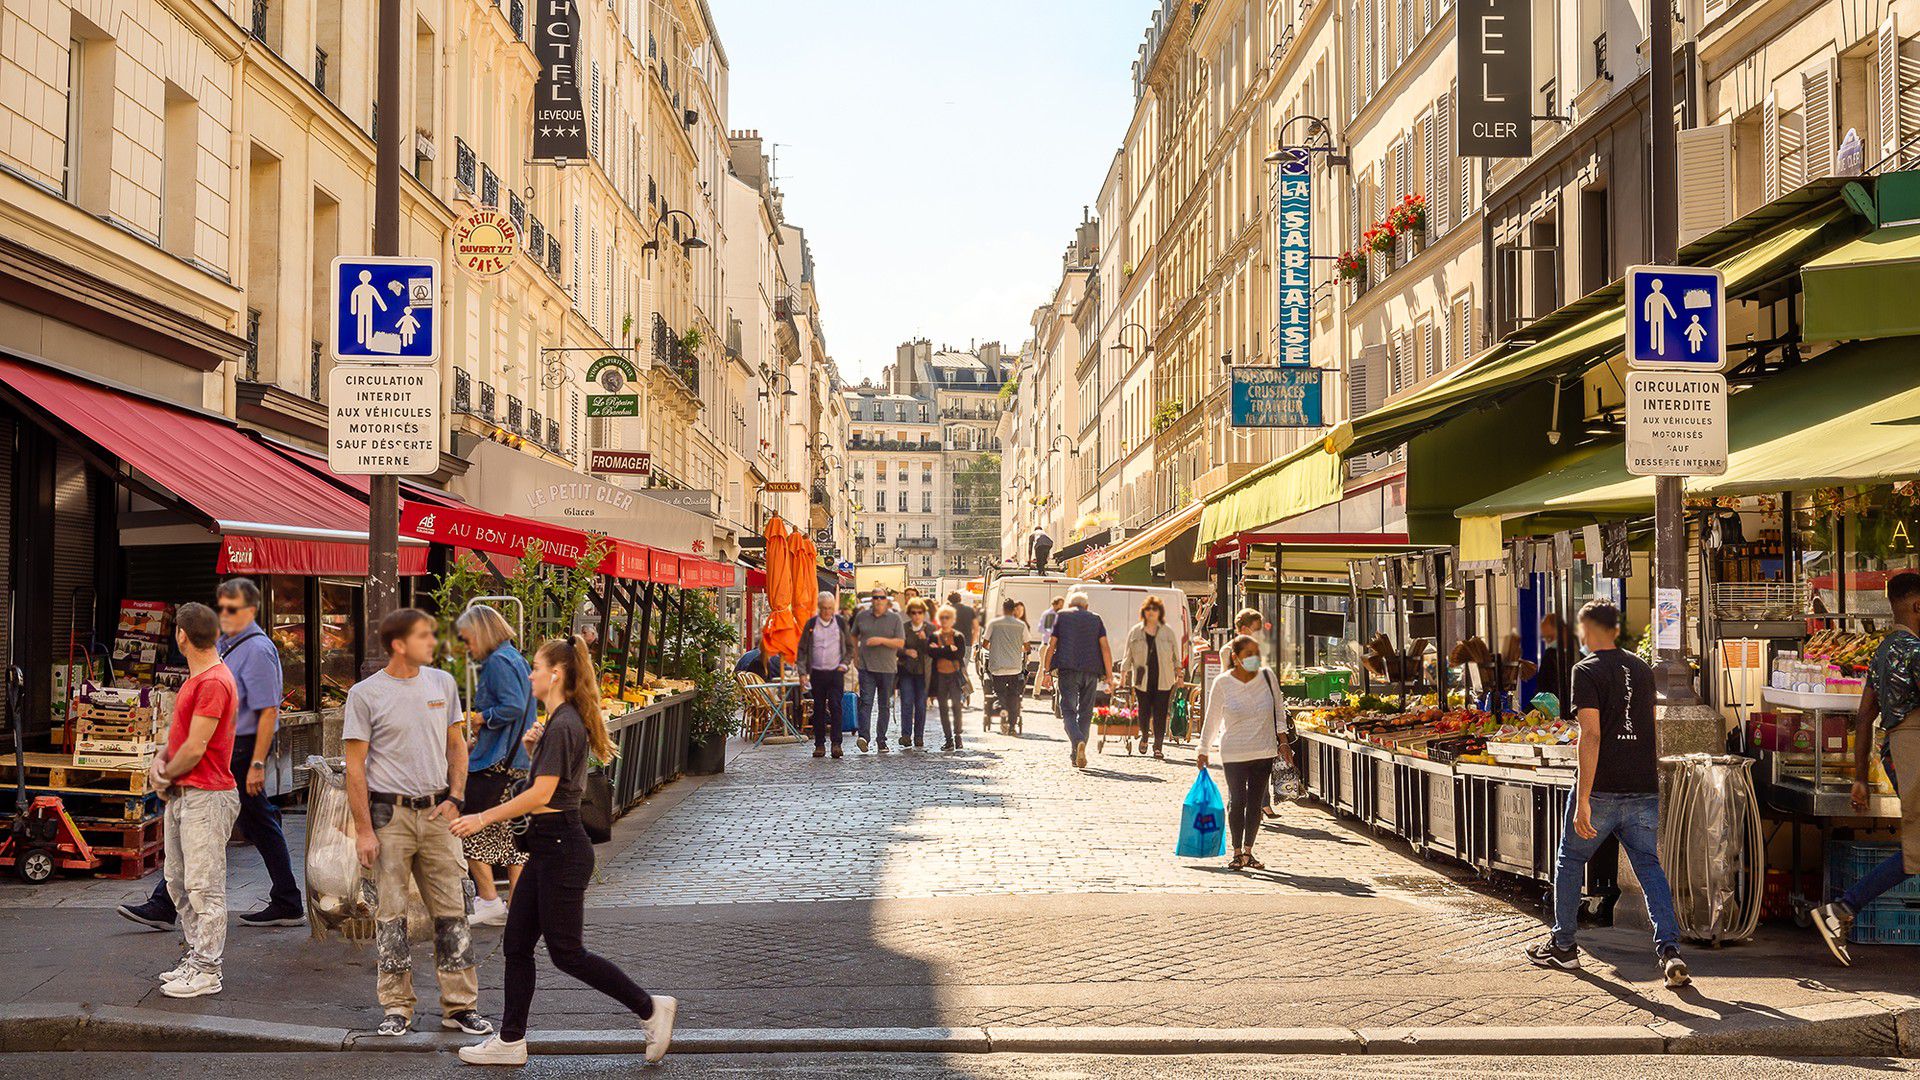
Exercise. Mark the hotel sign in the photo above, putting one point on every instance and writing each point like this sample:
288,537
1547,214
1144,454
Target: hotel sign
1495,47
1295,275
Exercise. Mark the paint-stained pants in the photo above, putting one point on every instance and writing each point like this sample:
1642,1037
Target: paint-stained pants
411,846
197,824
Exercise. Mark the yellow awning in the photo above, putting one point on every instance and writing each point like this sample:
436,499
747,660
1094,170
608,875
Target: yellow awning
1865,289
1304,480
1569,350
1850,416
1149,540
1480,540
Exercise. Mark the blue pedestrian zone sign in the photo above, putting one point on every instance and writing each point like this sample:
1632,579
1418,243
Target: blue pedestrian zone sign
1276,397
1676,318
384,308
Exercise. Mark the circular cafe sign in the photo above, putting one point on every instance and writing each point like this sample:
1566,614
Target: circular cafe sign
485,241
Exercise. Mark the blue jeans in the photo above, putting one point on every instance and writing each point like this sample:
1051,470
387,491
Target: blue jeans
260,823
1878,881
913,709
1076,703
1635,821
876,684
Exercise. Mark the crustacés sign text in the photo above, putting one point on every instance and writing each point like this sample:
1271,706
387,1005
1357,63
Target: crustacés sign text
559,118
1276,397
1295,200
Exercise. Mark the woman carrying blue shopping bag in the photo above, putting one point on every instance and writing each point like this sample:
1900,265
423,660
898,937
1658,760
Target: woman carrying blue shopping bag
1247,713
1203,833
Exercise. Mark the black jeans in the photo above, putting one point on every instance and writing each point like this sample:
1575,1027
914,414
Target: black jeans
549,902
1246,797
1153,716
829,693
260,824
1006,689
947,690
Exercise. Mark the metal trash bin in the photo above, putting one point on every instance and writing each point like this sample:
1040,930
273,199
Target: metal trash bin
1712,846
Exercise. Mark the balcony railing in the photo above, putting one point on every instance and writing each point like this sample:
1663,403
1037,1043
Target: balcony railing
258,26
313,370
893,444
252,373
671,353
487,402
513,413
462,391
465,164
489,186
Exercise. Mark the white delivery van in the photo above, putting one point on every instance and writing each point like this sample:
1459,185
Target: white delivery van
1119,608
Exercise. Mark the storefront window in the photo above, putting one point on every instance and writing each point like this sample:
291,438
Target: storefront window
1850,541
288,626
339,641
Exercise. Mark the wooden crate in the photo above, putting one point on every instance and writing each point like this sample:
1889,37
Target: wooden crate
59,774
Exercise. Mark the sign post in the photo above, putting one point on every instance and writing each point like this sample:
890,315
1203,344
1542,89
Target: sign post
383,492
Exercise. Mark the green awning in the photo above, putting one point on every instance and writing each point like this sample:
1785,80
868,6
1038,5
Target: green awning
1866,288
1572,349
1304,480
1849,416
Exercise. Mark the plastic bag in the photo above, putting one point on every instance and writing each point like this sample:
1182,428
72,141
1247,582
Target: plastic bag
1203,818
1287,785
341,895
849,712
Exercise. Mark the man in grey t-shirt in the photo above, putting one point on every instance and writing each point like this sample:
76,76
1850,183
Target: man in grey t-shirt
879,631
405,743
1006,643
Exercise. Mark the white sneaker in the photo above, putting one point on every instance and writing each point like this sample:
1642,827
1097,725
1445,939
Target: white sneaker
659,1027
495,1051
488,912
180,971
192,985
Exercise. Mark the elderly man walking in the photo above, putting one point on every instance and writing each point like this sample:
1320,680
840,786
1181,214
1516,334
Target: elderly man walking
1079,650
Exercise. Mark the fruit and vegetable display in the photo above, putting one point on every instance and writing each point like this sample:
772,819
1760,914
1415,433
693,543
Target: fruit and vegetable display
1849,649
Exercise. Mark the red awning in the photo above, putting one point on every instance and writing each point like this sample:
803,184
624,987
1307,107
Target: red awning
206,467
313,558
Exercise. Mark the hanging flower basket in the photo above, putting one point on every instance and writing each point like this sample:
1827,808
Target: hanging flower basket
1351,265
1410,216
1381,237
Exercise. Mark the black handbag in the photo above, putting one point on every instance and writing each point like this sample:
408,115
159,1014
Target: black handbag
596,807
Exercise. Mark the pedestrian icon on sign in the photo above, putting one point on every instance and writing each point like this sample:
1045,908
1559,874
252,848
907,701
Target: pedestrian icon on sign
1658,310
1675,318
383,309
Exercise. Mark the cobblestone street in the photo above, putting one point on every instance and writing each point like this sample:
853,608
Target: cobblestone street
997,887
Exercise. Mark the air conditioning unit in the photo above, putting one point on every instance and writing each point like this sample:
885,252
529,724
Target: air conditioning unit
1116,534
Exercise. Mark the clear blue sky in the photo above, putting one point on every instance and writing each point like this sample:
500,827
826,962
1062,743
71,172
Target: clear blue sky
937,152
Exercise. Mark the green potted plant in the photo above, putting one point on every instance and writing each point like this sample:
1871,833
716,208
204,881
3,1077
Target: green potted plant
696,651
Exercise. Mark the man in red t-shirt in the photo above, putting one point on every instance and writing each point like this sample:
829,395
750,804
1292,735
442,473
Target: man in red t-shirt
194,775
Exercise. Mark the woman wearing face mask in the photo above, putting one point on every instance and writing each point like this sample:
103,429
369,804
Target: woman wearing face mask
916,663
552,895
1246,712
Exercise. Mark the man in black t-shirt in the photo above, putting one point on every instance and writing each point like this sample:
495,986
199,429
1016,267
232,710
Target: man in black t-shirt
1618,793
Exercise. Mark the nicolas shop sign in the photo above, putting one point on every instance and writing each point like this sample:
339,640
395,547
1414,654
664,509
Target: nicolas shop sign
1495,47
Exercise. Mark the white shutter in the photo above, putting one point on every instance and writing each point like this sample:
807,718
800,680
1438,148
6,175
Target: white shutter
1368,31
1432,158
575,275
1353,59
1440,185
1705,156
1366,380
1429,351
1713,10
1907,104
1886,62
1464,196
1463,328
593,122
1402,183
1769,149
1402,361
1430,10
593,271
1817,119
1793,160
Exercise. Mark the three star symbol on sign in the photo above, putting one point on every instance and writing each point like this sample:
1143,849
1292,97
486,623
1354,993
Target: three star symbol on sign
560,131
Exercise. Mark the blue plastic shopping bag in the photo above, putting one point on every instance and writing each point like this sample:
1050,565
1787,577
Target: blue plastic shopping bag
1203,821
850,712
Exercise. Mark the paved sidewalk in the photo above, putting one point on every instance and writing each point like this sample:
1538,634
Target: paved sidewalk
996,889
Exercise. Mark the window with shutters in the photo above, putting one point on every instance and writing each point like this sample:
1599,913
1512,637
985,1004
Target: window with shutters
1704,157
1461,327
1402,181
1897,84
593,121
593,271
573,285
1399,364
1817,118
1431,159
1423,343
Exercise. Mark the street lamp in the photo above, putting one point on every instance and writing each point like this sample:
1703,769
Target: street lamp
1071,448
1120,338
782,376
1315,125
691,243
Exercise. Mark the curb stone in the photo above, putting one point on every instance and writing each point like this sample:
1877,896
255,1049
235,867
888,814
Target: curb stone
1841,1030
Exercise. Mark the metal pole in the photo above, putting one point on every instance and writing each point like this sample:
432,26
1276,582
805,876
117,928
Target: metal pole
1671,678
383,492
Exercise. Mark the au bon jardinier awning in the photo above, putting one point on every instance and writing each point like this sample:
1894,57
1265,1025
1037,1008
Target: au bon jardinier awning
1850,416
274,515
500,534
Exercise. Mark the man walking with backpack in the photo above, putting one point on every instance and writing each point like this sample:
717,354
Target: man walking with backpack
1618,794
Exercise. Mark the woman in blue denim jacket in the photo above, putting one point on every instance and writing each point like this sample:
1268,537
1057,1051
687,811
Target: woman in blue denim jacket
501,714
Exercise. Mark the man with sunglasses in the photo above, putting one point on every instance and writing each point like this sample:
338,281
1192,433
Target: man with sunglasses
255,662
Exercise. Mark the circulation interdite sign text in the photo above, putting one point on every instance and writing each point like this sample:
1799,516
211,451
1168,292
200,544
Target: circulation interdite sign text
383,420
1676,423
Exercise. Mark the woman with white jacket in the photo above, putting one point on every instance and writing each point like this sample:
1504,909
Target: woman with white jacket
1152,663
1247,713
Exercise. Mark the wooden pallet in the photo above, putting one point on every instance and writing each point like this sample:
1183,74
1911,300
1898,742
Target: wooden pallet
127,849
58,773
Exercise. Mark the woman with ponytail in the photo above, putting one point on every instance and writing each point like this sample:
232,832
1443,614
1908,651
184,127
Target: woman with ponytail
551,898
